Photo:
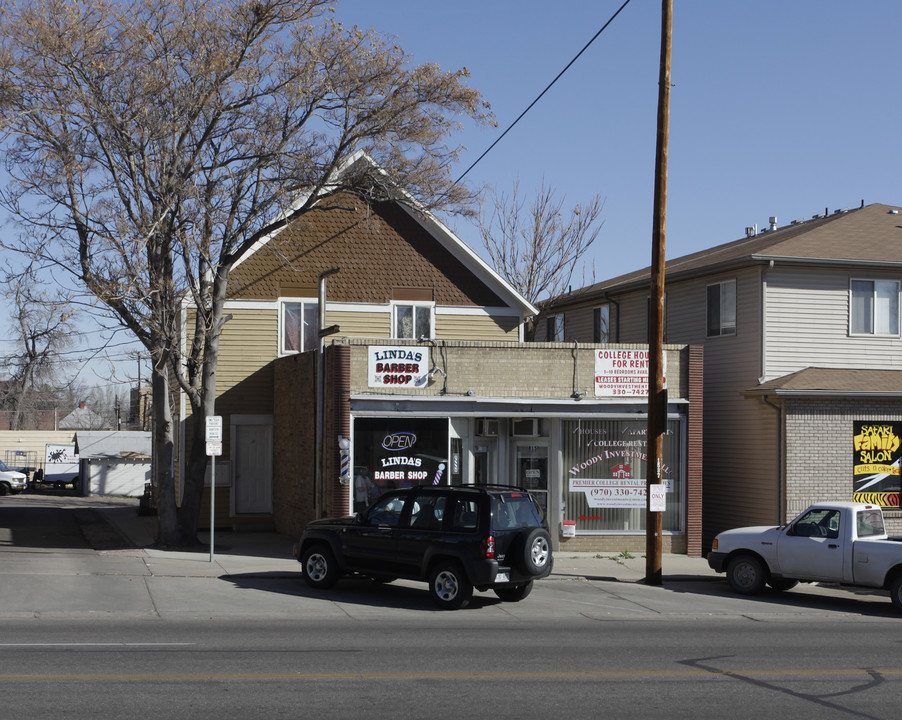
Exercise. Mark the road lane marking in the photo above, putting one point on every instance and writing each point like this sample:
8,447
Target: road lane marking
98,644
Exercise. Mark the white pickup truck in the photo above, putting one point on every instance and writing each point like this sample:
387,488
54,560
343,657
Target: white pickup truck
842,542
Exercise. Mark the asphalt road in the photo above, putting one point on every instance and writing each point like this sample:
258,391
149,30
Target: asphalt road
90,628
415,667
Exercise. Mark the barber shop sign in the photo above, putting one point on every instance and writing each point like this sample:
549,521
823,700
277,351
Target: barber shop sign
398,367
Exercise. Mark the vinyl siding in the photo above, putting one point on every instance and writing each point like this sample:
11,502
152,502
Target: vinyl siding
633,318
476,327
740,433
247,346
808,325
579,324
360,324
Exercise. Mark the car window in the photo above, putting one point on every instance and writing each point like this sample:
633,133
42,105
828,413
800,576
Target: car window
426,512
514,511
870,522
386,511
465,517
820,522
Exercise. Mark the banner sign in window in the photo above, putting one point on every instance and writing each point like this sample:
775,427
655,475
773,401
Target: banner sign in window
615,492
398,366
876,459
623,373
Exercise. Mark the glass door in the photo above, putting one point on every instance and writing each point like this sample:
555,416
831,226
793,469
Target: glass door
485,461
531,469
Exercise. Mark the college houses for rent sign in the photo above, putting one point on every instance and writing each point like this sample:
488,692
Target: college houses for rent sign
398,366
622,373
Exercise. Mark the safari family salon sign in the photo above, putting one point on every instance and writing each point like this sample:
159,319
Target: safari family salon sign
398,367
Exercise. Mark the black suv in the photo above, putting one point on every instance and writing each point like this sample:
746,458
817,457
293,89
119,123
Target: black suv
455,538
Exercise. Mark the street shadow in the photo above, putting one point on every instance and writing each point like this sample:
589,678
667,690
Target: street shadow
829,598
353,590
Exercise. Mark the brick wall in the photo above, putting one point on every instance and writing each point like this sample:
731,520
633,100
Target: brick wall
520,370
294,407
486,369
818,441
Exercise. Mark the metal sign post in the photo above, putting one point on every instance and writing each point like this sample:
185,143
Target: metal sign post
213,438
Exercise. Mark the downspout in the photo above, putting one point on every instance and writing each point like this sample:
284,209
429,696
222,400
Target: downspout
318,494
781,471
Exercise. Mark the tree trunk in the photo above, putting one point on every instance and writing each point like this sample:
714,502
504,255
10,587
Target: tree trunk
168,534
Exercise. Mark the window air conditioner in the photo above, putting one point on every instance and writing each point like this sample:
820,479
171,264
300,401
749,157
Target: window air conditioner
486,427
525,427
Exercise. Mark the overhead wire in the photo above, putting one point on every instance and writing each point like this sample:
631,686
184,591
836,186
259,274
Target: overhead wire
539,97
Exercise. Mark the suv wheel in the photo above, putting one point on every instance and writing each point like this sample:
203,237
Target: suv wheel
536,551
319,567
514,593
449,586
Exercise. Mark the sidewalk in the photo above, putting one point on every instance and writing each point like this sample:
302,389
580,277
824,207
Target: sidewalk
254,575
244,552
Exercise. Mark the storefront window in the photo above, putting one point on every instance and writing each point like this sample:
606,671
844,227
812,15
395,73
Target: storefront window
394,453
605,475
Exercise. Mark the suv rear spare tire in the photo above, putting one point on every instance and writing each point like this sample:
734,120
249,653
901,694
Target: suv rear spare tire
536,551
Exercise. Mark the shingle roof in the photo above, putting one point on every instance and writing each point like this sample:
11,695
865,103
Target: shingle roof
872,234
814,381
377,247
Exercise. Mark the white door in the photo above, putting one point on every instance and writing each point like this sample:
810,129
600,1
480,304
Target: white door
253,469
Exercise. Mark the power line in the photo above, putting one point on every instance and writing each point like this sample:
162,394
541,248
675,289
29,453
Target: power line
539,97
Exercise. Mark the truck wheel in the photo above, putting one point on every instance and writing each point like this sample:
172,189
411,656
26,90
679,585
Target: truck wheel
746,574
5,489
449,586
895,592
320,568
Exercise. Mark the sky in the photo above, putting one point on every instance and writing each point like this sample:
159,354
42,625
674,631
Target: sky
777,109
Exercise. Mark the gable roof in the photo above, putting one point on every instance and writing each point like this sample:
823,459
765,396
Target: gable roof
364,257
871,235
82,418
833,382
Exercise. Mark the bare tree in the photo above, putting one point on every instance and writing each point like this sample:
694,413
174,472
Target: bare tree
538,248
43,329
164,139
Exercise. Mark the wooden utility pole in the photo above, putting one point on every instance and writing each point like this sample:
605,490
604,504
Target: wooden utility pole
657,396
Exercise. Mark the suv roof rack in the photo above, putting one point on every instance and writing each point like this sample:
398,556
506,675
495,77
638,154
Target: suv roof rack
476,486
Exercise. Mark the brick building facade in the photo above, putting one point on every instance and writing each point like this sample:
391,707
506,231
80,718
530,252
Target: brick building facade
497,412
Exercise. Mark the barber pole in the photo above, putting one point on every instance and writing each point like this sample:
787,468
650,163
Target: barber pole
438,475
345,474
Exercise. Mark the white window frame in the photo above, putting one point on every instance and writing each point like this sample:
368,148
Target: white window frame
430,306
283,324
883,309
727,329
